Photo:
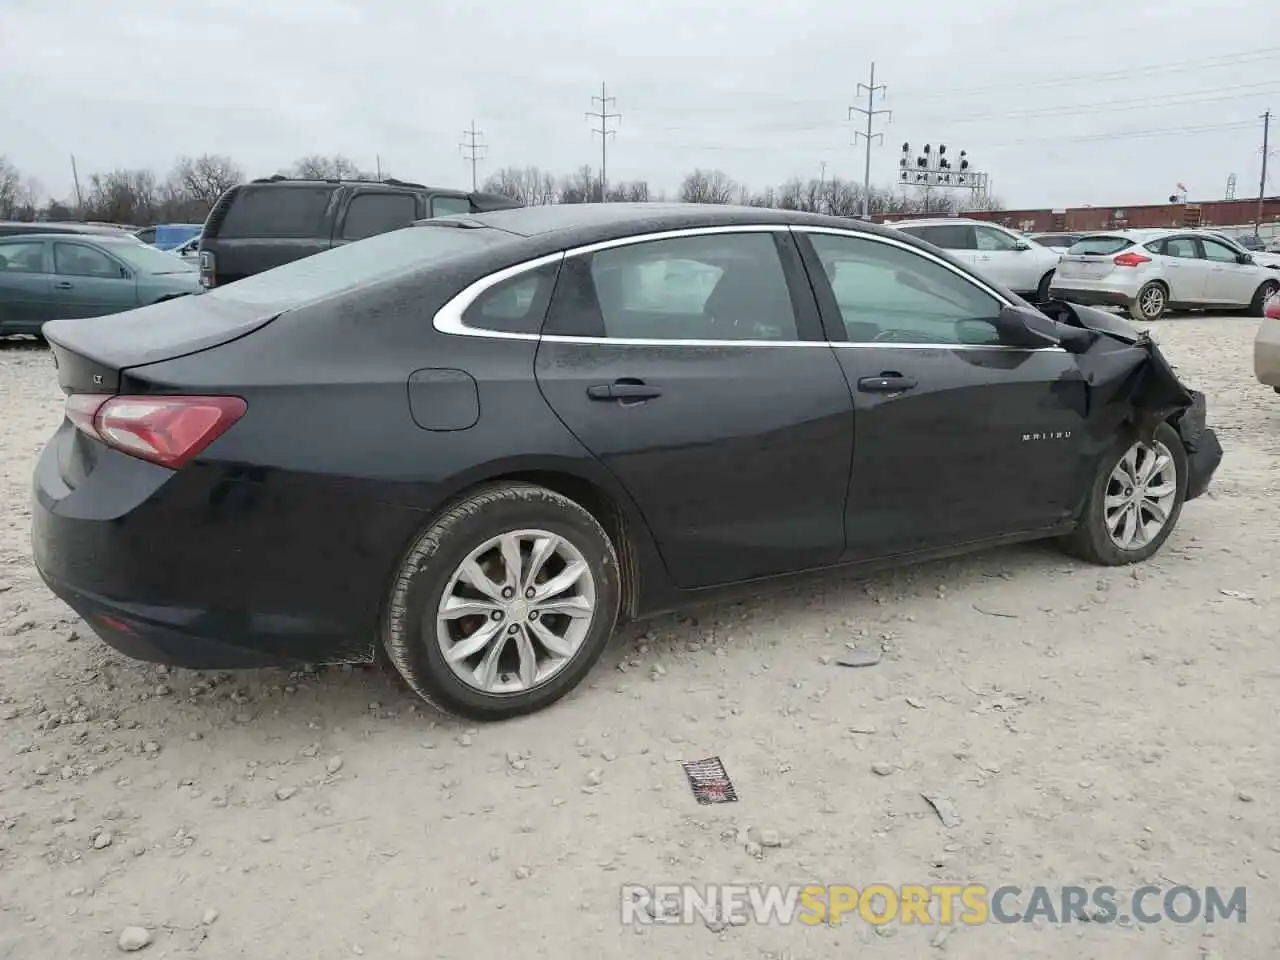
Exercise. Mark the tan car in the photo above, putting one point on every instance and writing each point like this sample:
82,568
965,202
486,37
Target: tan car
1266,348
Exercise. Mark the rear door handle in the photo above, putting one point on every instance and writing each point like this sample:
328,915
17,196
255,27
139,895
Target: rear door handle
623,390
64,285
886,383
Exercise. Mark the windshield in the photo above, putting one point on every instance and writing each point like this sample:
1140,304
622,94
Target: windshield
1099,246
148,259
378,257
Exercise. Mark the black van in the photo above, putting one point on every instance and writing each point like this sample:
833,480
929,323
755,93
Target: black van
275,220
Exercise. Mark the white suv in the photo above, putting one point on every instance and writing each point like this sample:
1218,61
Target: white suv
1015,262
1151,271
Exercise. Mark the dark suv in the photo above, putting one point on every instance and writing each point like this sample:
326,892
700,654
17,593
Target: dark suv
272,221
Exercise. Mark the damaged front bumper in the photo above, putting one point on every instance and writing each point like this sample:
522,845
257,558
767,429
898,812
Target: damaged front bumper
1134,389
1204,452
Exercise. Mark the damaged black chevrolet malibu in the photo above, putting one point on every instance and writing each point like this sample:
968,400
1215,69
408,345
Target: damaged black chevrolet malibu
471,446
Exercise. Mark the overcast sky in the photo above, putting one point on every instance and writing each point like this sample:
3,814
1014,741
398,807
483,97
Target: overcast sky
1062,103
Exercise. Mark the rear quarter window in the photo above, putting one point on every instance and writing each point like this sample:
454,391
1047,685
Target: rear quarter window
1098,246
274,211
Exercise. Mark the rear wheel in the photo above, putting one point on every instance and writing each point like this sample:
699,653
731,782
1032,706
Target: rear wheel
1134,503
1265,292
504,603
1151,302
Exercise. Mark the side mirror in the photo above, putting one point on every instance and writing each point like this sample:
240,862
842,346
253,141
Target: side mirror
1243,258
1021,245
1026,327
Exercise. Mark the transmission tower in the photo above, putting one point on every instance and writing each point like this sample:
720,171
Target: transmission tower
472,149
1231,187
870,112
604,116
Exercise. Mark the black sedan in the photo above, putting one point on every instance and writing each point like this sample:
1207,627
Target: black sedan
473,444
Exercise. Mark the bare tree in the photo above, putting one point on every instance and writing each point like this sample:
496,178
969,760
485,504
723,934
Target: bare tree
631,191
205,178
580,187
19,197
329,168
708,186
981,200
527,185
122,196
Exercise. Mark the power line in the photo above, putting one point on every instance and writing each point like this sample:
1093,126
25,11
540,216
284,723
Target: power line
471,150
870,112
604,116
763,101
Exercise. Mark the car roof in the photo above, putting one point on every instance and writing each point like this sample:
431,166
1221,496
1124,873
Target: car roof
283,181
936,221
126,238
582,223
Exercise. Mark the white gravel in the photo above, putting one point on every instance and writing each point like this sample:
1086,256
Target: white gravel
1114,727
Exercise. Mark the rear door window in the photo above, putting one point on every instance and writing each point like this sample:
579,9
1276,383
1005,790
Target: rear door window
369,214
277,211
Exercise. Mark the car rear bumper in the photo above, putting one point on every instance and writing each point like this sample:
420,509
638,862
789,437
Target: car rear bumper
213,567
1091,297
1266,353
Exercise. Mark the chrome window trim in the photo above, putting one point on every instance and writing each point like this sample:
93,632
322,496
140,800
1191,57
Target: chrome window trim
448,319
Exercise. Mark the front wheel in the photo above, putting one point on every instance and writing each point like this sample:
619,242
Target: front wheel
1042,291
1265,292
504,603
1150,303
1134,503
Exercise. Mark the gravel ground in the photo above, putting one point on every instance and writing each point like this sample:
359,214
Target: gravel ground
1091,726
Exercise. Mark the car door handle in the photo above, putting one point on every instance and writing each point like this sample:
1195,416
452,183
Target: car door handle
625,390
64,285
985,257
886,383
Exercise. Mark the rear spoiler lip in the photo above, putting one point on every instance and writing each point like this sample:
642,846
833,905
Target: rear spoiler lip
99,351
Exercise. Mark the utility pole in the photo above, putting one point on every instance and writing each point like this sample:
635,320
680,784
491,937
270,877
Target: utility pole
604,116
377,160
870,112
822,187
1262,181
75,176
471,150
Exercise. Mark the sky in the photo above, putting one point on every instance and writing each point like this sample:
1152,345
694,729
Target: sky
1061,104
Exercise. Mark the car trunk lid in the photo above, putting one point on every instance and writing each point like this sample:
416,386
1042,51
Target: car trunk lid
91,353
1092,258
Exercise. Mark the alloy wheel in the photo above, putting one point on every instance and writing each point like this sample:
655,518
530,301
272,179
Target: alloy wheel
1152,302
1140,495
516,611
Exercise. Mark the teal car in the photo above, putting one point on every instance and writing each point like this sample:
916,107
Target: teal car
51,276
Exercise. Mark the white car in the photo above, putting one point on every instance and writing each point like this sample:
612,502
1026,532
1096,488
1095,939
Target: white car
1010,259
1151,271
189,251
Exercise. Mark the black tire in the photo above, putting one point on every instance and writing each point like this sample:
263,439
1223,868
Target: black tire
408,629
1265,292
1042,291
1090,540
1136,309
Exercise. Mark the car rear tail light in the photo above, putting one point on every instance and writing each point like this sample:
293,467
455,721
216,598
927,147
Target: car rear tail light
1131,260
208,269
169,431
